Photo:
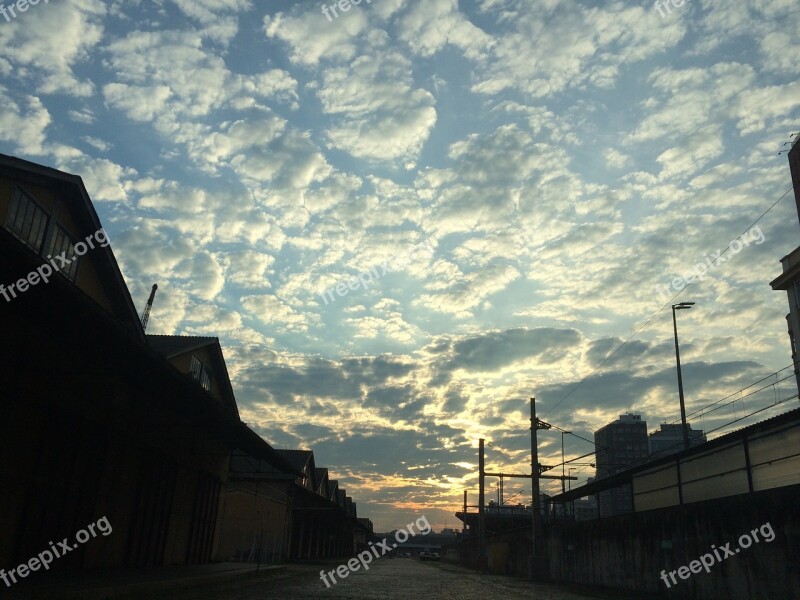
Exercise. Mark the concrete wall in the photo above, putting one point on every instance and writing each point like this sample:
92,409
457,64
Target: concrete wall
630,551
508,554
254,514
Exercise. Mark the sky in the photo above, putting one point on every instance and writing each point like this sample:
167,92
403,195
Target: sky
405,220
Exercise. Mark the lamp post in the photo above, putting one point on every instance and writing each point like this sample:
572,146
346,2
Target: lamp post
681,306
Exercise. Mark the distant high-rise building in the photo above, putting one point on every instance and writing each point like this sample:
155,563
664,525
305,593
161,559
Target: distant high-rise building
619,445
669,439
790,279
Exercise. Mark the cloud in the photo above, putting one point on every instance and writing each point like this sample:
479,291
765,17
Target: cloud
496,350
310,36
270,309
554,162
381,115
546,50
23,124
49,41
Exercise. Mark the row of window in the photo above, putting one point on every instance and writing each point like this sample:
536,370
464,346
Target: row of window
37,229
31,224
201,373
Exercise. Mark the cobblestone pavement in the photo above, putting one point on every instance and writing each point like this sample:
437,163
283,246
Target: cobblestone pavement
391,579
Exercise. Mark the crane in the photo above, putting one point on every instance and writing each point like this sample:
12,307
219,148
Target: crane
148,307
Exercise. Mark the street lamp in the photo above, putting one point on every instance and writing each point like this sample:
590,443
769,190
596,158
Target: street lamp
681,306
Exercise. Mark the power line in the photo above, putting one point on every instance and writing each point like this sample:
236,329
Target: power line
703,408
600,446
735,400
728,424
595,444
743,389
792,397
668,303
680,443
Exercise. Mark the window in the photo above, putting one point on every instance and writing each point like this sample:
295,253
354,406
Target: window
32,225
60,242
27,220
205,379
201,373
196,368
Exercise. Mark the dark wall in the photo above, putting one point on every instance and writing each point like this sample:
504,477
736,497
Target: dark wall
794,166
93,424
630,551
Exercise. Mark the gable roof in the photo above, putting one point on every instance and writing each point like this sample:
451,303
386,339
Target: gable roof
299,459
269,463
171,346
303,461
322,481
71,190
333,487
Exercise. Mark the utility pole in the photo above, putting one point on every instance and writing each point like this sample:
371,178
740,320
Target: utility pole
536,518
481,513
464,526
563,478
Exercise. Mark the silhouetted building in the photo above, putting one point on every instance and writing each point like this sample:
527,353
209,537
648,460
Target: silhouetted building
620,444
98,423
201,359
790,279
669,439
282,509
100,420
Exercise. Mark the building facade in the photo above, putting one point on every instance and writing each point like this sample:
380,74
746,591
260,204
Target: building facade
669,439
100,420
789,280
95,422
620,444
280,509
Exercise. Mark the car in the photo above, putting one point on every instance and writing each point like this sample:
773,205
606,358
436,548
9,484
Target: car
429,555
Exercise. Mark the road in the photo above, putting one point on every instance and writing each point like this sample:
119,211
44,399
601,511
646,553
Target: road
391,579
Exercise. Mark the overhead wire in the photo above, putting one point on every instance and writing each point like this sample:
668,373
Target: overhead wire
657,312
